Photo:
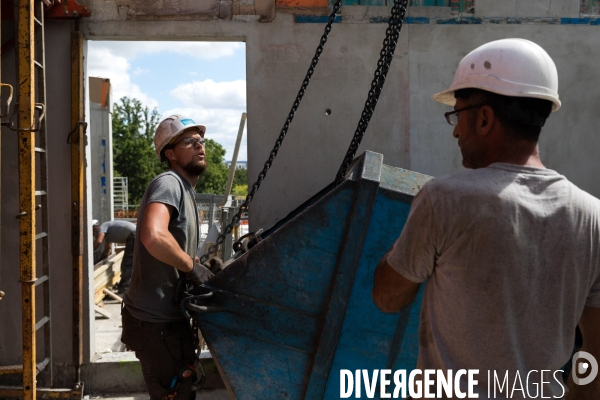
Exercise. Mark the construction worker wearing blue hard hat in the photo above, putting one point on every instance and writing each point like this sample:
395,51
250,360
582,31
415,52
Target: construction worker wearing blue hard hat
165,249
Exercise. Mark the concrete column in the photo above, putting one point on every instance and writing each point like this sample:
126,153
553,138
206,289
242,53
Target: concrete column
100,135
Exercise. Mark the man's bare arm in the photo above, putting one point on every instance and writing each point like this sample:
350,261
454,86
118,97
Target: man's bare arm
392,291
157,239
589,324
98,240
106,251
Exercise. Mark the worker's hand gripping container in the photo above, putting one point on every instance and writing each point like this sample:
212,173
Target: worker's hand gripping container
296,308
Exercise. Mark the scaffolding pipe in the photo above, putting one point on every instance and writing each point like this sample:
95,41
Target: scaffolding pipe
232,167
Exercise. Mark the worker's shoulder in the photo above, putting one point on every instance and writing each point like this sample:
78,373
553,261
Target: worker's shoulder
583,199
460,181
496,181
168,178
509,181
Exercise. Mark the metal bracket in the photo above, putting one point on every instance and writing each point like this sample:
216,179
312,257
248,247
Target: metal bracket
68,9
247,242
4,113
11,126
77,125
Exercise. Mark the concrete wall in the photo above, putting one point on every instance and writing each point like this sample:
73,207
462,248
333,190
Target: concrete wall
522,9
408,126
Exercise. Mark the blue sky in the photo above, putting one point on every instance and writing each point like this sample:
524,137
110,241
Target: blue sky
203,80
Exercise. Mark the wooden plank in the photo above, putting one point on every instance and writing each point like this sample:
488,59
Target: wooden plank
107,273
102,312
112,295
112,262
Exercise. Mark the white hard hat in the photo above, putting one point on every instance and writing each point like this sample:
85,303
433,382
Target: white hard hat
172,127
94,222
509,67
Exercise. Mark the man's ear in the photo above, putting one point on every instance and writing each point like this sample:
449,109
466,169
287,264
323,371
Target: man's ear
170,154
485,120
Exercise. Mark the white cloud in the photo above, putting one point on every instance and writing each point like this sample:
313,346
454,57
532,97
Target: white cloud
217,105
141,71
201,50
102,63
221,126
212,95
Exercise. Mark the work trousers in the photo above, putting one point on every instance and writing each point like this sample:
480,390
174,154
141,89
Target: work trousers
164,351
127,264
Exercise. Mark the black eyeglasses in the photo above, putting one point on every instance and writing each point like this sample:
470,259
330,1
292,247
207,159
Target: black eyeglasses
190,142
452,116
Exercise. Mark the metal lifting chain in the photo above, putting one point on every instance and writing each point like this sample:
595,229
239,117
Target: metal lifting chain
383,66
244,207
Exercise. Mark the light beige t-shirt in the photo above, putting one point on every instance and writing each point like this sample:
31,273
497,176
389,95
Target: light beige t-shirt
511,255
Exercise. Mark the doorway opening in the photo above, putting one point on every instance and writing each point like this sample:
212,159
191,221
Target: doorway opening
133,85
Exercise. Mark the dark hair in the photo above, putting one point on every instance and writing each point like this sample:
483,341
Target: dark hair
163,157
523,117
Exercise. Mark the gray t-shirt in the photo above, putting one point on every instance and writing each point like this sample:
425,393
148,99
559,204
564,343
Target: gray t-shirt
150,296
116,231
511,255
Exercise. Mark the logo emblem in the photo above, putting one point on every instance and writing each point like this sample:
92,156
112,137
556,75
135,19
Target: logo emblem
187,121
578,369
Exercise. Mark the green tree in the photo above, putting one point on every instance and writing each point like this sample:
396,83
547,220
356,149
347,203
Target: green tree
240,177
213,180
133,144
240,182
134,156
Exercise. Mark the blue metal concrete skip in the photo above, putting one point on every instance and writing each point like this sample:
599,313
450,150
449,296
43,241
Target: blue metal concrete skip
297,307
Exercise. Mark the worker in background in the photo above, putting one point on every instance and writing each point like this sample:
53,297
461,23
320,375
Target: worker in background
166,244
509,249
117,232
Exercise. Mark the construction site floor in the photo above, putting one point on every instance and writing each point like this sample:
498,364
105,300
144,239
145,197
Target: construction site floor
108,330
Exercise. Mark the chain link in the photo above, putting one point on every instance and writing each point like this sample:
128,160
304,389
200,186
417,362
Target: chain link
383,67
261,176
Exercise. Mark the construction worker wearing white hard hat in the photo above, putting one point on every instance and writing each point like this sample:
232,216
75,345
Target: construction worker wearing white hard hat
165,248
509,250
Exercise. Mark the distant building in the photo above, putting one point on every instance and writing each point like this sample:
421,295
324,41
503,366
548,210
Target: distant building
238,164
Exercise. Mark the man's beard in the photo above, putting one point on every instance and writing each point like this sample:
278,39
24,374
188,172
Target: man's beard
195,168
